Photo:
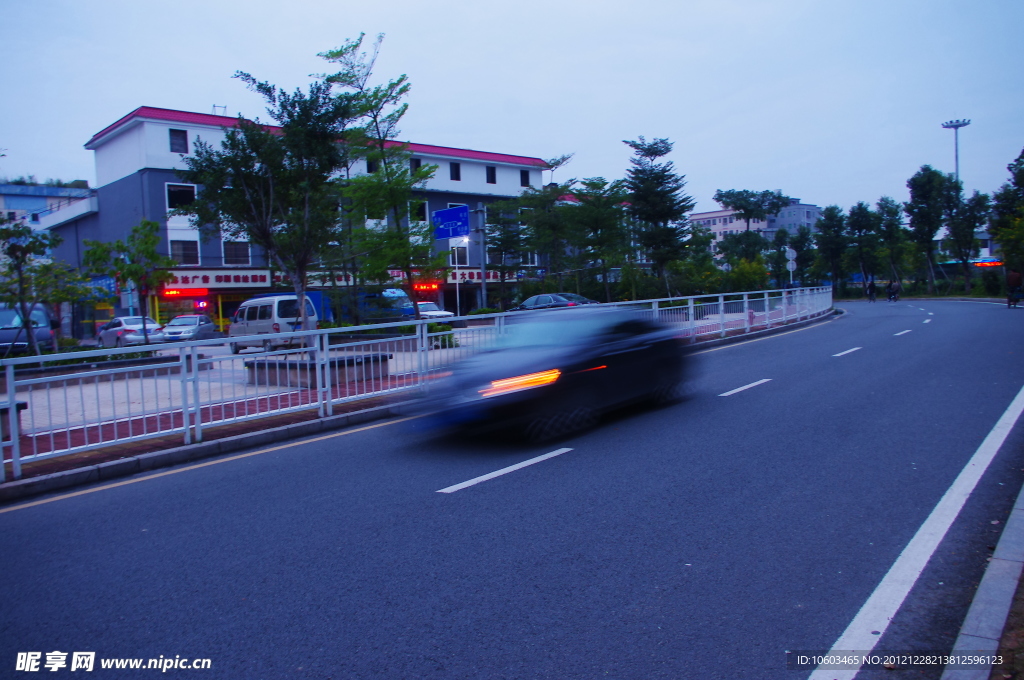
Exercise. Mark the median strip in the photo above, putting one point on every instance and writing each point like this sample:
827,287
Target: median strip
847,351
502,471
745,387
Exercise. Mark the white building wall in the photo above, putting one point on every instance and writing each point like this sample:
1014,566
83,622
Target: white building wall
120,156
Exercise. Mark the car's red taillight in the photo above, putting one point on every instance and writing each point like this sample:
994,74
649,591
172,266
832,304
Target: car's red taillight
277,328
571,304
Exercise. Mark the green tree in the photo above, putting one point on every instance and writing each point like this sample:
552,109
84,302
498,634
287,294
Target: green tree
276,189
862,225
892,234
964,219
1007,226
598,216
657,202
831,244
777,257
927,212
803,243
505,244
752,205
22,249
548,232
137,260
746,245
389,190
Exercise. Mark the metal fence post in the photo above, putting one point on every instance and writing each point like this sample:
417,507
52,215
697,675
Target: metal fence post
721,313
655,311
767,310
324,379
183,379
193,377
693,322
12,414
422,347
746,313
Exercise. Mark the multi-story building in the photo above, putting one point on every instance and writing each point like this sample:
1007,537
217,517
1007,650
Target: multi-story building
136,160
791,218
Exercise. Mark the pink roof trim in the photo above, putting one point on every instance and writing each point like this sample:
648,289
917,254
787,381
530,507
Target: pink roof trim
172,116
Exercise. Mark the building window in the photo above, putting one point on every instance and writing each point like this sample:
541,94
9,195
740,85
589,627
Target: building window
236,253
528,259
34,217
180,195
11,215
524,178
371,166
492,174
179,141
415,164
455,171
418,213
185,252
458,256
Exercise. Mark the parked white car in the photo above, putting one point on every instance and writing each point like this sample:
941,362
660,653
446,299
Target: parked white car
266,315
430,310
127,330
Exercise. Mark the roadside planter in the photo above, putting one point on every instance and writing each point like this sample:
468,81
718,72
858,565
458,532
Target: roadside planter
302,372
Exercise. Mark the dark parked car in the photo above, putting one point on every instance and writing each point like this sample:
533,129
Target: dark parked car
12,330
552,301
555,372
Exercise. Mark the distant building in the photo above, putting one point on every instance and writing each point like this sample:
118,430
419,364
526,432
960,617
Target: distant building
790,218
30,202
136,158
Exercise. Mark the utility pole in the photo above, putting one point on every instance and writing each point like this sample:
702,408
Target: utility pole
955,126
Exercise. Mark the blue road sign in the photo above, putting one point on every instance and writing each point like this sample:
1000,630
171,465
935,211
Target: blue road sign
451,222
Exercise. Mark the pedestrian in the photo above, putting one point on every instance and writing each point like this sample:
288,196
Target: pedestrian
872,291
889,290
1013,287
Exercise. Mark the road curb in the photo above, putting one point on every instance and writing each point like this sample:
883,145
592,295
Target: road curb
125,467
983,626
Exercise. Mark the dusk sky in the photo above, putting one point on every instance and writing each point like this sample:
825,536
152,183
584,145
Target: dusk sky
833,101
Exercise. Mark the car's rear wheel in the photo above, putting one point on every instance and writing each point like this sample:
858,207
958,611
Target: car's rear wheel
556,424
99,342
235,349
118,343
268,346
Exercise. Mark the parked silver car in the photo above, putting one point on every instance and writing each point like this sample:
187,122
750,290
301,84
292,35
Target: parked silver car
127,330
190,327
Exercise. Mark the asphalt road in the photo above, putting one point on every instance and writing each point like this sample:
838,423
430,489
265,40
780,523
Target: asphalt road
700,540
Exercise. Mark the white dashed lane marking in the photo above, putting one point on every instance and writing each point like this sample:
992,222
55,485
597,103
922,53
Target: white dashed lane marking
745,387
847,351
502,471
902,333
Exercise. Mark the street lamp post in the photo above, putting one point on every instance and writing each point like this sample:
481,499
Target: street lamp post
955,126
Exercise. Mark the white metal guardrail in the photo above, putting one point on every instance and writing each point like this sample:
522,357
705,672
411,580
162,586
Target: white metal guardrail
49,410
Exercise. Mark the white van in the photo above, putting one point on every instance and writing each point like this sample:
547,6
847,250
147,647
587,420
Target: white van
266,315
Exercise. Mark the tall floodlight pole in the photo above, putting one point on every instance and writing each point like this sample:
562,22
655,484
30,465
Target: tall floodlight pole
955,125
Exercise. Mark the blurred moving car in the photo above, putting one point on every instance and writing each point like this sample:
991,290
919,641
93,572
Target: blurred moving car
430,310
555,372
127,330
12,331
552,301
190,327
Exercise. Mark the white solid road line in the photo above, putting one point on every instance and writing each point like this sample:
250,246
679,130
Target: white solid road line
902,332
847,351
873,618
502,471
745,387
